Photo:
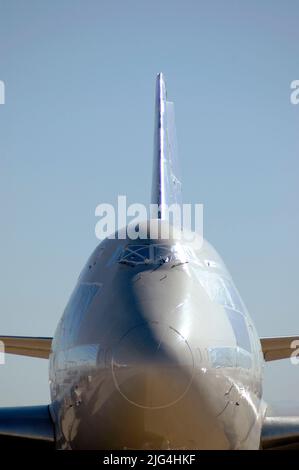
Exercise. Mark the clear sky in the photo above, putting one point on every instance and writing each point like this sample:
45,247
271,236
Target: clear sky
77,130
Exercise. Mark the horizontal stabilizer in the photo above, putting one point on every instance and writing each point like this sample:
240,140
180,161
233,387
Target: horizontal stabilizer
280,433
27,346
281,347
31,422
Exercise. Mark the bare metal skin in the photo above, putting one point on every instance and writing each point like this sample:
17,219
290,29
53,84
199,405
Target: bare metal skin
137,370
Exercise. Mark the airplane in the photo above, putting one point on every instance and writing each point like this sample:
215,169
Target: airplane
155,348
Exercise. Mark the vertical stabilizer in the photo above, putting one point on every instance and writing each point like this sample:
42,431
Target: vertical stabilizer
166,185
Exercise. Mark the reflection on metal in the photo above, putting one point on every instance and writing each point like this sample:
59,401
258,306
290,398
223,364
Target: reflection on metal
220,289
240,328
230,357
222,357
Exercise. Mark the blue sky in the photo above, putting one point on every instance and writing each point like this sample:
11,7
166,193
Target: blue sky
77,130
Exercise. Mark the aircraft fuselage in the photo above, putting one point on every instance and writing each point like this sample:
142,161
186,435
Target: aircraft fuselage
156,350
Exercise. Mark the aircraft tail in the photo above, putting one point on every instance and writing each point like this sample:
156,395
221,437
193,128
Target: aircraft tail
166,185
